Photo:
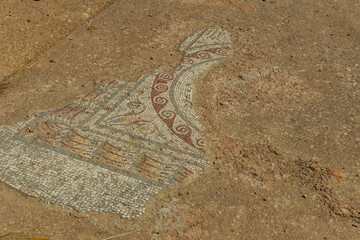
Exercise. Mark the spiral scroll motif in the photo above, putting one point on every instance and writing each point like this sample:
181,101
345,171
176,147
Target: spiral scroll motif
200,143
182,129
161,87
165,77
160,100
167,114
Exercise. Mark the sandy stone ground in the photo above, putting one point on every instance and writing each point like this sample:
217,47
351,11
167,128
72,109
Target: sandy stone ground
280,116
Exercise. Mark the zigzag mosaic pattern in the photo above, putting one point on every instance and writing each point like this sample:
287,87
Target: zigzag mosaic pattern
120,143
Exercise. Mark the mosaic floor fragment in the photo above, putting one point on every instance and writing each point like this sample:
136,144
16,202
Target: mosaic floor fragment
120,143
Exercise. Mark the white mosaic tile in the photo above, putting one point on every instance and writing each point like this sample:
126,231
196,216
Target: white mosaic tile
120,143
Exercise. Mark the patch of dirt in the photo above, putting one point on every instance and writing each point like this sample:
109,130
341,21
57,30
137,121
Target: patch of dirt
280,118
30,27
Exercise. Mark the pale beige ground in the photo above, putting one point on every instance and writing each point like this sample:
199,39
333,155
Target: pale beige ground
27,28
281,116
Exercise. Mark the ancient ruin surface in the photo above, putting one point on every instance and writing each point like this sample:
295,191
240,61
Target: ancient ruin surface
120,143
